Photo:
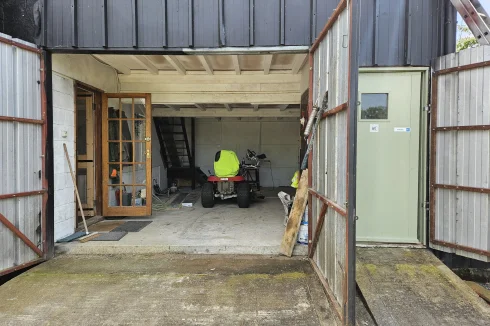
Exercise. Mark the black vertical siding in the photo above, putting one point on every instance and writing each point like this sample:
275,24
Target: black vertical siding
91,28
178,23
152,24
236,22
297,22
206,23
393,33
267,18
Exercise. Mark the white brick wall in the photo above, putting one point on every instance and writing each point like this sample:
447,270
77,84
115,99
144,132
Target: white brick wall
63,123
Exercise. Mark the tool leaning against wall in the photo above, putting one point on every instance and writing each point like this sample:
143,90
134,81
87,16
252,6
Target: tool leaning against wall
300,199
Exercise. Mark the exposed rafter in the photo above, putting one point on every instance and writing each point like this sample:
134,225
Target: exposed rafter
298,63
146,63
267,63
113,63
174,107
228,107
200,106
256,107
206,64
236,64
175,63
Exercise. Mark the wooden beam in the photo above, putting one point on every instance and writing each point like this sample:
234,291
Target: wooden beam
176,64
225,97
213,112
111,61
146,63
294,221
267,63
206,64
228,107
283,107
256,107
298,63
174,107
236,64
200,107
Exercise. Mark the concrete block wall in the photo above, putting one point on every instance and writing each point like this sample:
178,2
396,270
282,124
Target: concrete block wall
63,132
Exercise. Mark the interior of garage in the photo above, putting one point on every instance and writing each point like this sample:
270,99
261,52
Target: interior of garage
202,104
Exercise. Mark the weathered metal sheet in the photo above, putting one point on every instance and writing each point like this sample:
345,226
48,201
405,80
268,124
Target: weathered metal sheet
330,74
462,157
21,152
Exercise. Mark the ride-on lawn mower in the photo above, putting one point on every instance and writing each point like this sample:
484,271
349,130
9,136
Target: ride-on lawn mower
233,179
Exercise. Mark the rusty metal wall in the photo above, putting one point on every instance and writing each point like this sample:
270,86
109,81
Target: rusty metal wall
462,157
21,152
329,166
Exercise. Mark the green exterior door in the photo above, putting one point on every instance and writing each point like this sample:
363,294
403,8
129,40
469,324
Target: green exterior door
388,156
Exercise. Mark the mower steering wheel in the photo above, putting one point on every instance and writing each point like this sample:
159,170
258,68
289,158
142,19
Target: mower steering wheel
251,153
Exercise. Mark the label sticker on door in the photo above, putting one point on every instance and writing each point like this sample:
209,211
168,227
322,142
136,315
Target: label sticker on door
374,128
404,129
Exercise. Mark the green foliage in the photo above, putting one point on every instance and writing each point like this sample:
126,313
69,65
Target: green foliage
465,39
375,112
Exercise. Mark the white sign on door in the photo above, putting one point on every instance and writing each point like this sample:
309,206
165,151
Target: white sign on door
402,129
374,128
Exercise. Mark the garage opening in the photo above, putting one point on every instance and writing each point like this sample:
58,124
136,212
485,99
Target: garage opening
163,130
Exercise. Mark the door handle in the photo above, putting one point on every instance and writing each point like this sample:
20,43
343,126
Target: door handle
148,154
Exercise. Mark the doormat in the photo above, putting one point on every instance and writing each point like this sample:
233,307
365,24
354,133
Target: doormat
105,226
131,226
110,236
178,200
72,237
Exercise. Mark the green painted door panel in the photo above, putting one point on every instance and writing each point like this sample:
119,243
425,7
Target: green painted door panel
388,156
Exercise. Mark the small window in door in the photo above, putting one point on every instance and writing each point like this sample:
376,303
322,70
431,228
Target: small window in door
374,106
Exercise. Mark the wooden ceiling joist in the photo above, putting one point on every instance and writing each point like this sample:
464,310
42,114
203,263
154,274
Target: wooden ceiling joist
146,63
298,63
267,63
206,64
174,61
236,64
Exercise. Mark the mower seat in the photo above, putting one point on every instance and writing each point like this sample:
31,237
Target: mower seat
226,164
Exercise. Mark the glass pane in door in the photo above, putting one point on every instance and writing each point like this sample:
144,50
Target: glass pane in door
127,156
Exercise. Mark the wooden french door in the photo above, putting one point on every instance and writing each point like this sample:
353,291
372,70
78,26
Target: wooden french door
126,154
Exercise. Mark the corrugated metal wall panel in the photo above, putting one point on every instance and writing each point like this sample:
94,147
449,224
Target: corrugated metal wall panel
267,23
236,22
120,22
91,23
152,26
206,23
297,22
178,23
463,157
330,73
395,33
20,151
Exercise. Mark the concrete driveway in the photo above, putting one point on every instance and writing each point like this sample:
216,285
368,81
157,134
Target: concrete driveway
167,289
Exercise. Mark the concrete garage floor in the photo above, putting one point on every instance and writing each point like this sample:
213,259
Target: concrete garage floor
225,228
159,289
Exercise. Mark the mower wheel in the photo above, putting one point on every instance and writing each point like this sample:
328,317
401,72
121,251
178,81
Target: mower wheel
207,195
243,195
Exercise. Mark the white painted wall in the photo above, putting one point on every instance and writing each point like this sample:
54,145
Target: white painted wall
63,132
67,69
278,139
